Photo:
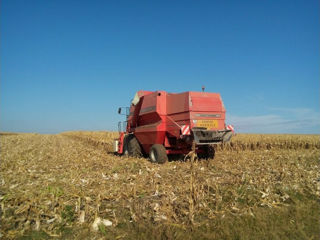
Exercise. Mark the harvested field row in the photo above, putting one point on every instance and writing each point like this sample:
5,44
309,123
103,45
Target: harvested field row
239,142
97,139
59,186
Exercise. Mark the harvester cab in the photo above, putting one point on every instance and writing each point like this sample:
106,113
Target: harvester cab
160,123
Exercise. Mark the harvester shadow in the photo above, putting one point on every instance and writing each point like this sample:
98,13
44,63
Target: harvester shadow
171,158
176,158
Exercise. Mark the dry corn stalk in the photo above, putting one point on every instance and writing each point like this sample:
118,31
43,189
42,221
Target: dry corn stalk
49,181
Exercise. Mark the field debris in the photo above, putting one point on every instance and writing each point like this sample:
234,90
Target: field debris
71,183
98,221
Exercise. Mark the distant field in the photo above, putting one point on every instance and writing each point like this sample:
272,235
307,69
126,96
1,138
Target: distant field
70,186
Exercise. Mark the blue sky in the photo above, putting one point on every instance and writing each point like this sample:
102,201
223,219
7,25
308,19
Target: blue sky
68,65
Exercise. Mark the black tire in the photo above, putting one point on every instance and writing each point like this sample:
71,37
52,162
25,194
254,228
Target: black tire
208,153
133,146
125,145
158,154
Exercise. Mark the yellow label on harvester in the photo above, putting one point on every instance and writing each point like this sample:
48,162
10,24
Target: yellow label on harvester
208,124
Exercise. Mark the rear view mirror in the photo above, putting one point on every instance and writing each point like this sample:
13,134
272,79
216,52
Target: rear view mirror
123,111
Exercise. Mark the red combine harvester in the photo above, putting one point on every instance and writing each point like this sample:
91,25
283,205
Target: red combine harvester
160,123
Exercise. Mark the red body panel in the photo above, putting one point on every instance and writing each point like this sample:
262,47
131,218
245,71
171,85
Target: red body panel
157,117
121,138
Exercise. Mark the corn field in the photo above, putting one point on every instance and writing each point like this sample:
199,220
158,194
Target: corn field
71,186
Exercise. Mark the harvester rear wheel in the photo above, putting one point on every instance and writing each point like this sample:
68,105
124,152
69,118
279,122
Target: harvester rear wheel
208,153
133,147
158,154
125,145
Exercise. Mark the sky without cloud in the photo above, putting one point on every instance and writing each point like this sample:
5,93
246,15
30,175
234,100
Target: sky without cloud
68,65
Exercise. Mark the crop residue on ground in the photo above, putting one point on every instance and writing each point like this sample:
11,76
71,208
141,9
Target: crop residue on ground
71,186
